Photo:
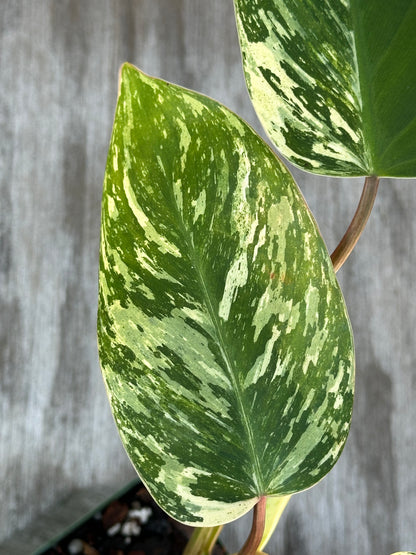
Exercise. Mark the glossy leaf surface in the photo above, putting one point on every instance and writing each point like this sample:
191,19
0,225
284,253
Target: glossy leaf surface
334,82
224,340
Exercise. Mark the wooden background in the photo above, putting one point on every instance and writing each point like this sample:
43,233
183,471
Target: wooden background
59,62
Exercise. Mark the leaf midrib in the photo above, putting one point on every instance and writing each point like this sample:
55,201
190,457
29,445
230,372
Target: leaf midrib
188,238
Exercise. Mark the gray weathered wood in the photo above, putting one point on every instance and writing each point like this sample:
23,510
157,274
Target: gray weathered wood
59,61
50,527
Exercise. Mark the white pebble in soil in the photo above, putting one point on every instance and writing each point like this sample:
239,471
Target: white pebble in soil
142,514
114,529
75,546
131,528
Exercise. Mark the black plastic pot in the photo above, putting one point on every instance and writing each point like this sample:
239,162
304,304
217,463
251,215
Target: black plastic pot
126,523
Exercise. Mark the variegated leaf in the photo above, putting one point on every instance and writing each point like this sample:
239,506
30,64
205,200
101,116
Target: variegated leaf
334,82
224,340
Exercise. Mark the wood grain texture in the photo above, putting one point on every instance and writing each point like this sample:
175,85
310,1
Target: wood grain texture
58,81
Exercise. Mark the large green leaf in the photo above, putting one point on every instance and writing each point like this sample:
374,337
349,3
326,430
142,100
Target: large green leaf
224,340
334,82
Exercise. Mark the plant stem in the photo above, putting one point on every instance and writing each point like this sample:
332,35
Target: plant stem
274,510
357,225
202,541
257,529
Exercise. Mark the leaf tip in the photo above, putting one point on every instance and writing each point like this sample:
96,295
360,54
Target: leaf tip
123,72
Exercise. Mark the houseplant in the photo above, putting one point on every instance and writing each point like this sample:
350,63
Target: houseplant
224,340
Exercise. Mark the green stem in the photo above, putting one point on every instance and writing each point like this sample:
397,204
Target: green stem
251,546
202,541
357,225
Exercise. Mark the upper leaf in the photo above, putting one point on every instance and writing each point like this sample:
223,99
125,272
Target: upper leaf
223,336
334,82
